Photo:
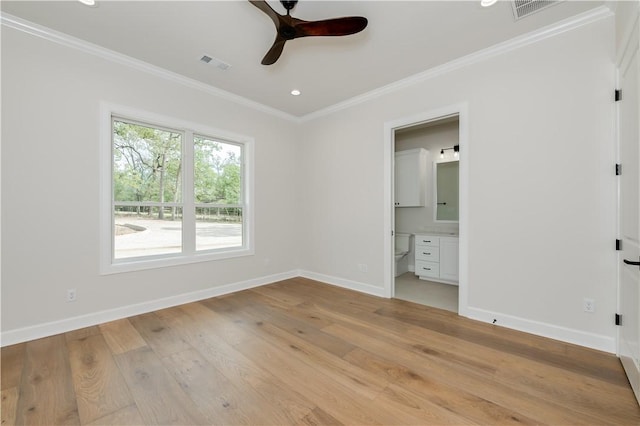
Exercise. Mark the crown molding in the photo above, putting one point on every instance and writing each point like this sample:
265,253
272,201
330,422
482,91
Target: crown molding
66,40
586,18
591,16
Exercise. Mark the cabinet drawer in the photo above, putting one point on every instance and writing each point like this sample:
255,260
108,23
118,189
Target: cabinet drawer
426,240
427,269
428,253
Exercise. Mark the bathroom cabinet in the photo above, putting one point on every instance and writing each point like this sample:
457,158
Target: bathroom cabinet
436,258
410,178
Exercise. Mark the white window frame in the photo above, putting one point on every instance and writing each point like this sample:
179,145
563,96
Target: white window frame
109,265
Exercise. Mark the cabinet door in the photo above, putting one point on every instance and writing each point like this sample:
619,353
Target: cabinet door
409,180
427,269
449,259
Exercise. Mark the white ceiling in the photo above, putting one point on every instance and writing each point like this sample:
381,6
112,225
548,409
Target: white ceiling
403,38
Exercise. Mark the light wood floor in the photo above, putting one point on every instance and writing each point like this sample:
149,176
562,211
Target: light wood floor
301,352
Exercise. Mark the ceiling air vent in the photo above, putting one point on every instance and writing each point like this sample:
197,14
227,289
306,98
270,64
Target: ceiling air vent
523,8
215,62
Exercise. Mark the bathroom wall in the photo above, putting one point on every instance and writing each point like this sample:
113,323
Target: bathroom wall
433,138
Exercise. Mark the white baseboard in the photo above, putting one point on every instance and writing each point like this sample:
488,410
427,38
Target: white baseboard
569,335
38,331
341,282
10,337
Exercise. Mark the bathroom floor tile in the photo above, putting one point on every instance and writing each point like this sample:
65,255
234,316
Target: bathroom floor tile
444,296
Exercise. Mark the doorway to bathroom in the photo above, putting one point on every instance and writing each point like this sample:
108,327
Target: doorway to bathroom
427,218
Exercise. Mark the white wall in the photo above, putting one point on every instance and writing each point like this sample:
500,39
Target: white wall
541,189
541,202
50,205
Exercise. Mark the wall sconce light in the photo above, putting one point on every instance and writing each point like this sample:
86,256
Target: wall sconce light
455,148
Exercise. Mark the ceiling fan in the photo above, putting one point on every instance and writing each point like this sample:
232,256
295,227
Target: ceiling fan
288,27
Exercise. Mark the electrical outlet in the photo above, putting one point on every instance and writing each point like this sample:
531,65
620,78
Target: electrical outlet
71,295
589,305
363,267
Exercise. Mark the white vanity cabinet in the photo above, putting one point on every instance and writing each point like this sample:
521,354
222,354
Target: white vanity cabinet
436,258
449,258
410,177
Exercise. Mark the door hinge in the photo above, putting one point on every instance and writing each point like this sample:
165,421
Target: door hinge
618,245
618,95
618,169
618,319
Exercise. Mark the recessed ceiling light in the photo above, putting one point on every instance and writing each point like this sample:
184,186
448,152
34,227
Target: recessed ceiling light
487,3
295,92
88,2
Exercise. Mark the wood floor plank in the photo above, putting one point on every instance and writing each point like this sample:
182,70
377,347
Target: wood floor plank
209,337
99,386
157,395
332,397
82,333
196,320
12,365
315,387
9,406
423,410
350,376
217,397
295,311
282,297
474,382
315,290
244,303
158,335
451,397
213,393
46,389
483,336
302,352
509,367
121,336
470,354
319,417
127,416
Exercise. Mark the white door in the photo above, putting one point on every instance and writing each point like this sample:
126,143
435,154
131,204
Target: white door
629,221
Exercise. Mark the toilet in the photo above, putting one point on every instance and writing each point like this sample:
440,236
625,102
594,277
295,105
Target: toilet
403,244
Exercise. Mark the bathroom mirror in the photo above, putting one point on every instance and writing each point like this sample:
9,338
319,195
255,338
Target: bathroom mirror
446,189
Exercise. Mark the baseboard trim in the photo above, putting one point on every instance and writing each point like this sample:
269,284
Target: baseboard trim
10,337
344,283
38,331
569,335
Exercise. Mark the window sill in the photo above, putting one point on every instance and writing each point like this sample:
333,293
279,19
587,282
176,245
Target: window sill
141,264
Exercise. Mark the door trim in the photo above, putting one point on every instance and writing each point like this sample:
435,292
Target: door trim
629,49
461,110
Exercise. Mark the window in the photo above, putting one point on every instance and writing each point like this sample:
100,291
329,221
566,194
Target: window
176,193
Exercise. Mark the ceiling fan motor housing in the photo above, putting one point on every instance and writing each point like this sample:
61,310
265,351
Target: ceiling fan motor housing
289,4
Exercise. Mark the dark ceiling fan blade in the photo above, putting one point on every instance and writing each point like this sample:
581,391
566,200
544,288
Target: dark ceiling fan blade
331,27
274,53
288,27
264,6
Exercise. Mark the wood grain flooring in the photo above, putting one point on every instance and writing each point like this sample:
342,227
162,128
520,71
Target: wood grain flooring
303,352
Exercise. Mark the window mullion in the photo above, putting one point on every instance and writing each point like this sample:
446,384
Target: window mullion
188,211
